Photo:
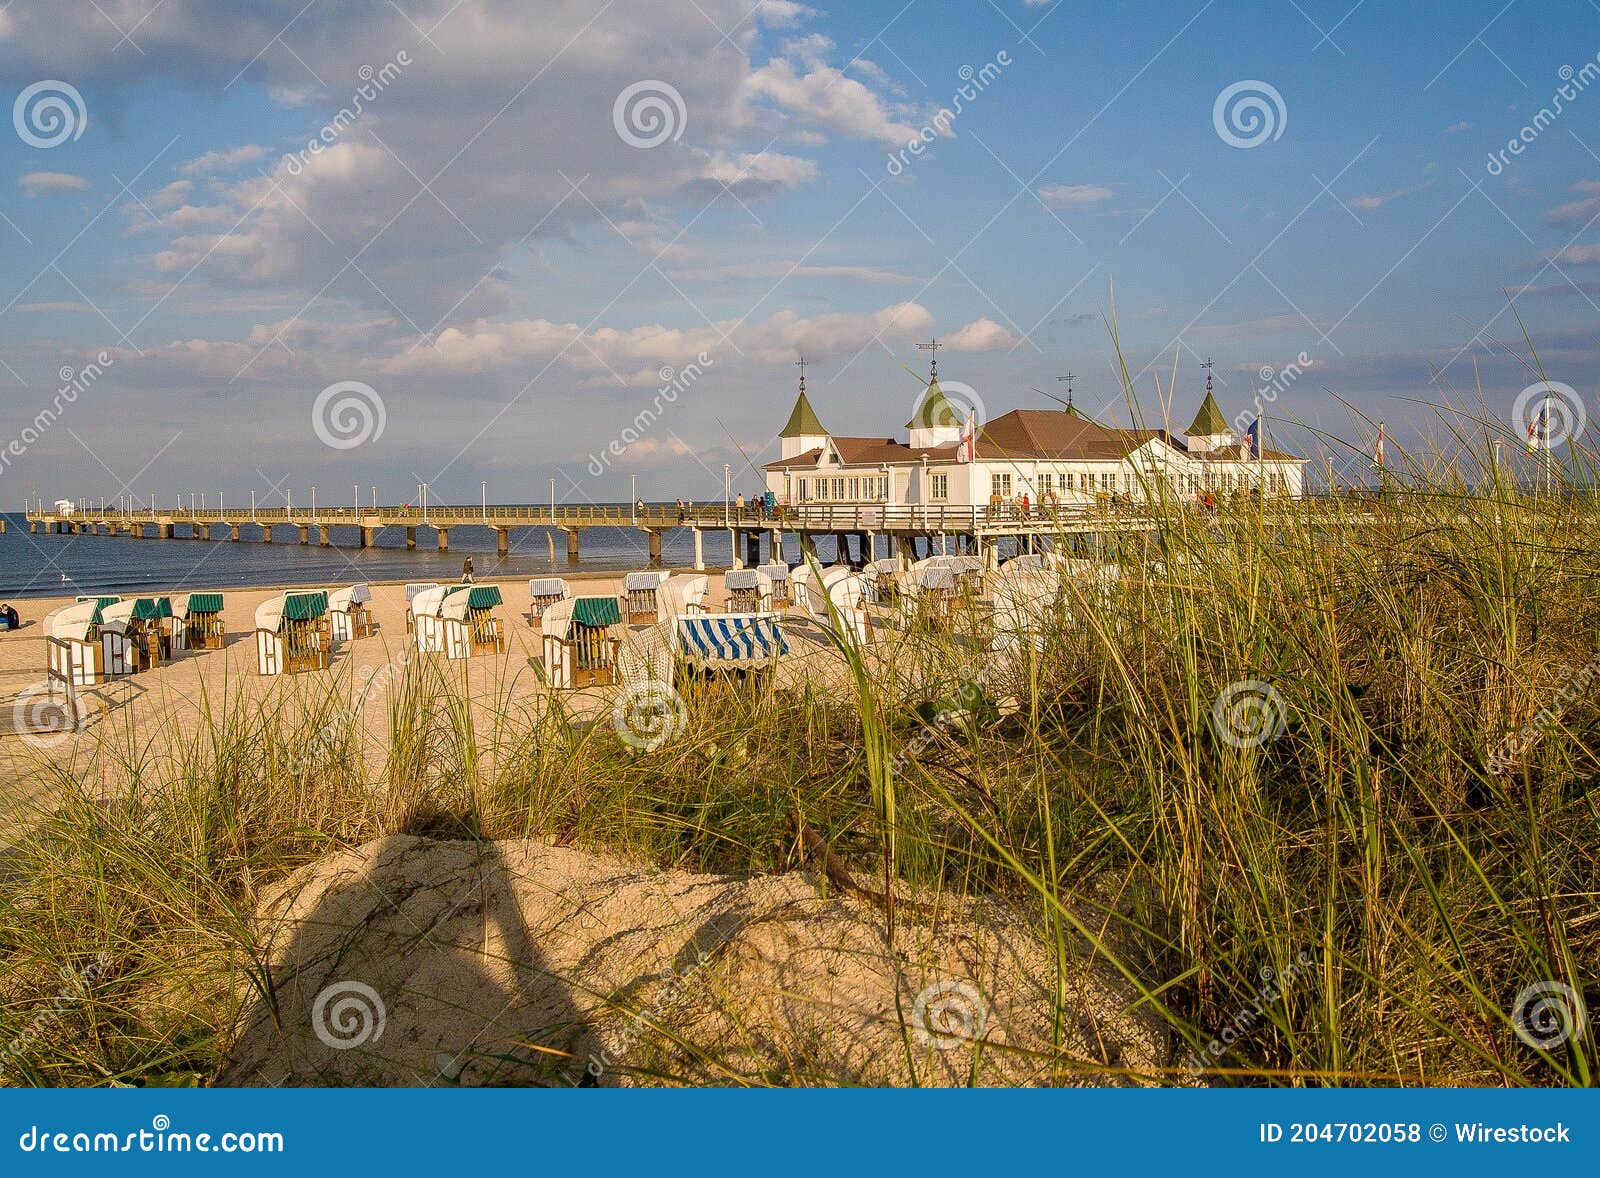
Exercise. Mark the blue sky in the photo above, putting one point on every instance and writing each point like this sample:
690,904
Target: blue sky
481,247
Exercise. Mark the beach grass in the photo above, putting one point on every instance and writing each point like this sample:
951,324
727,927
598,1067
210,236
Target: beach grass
1345,871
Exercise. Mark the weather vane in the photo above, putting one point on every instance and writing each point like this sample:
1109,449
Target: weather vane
1067,380
801,364
1208,366
932,346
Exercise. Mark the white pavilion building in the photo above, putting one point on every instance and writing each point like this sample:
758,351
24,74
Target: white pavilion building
1055,456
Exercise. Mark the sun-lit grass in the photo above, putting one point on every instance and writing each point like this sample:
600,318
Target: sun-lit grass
1397,892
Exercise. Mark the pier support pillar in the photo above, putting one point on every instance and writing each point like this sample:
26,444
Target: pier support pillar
808,546
33,526
233,533
653,540
699,550
733,546
444,539
200,531
572,545
322,535
411,537
502,542
305,534
775,546
369,537
266,533
752,544
164,531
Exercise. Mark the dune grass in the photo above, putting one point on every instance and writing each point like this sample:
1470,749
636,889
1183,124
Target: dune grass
1358,898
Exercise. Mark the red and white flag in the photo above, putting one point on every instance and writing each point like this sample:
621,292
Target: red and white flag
1377,451
966,451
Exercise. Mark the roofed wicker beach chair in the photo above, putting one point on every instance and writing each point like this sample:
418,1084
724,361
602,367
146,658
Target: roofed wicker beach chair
146,625
882,579
543,592
349,614
580,637
682,595
202,622
749,591
412,590
292,633
639,596
845,591
779,573
76,656
1026,599
741,649
467,617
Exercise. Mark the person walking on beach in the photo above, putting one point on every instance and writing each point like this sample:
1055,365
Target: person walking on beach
466,571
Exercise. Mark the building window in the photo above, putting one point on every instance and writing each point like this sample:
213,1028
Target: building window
804,489
1047,484
1000,484
941,487
838,488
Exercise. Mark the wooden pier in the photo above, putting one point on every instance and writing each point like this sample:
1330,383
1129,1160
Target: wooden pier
904,528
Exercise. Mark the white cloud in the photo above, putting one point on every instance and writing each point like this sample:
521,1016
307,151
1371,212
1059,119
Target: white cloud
1577,255
222,161
981,335
1074,194
638,351
806,90
36,183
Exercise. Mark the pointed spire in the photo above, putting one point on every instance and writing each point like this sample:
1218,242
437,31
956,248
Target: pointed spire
934,411
803,420
1067,380
1208,422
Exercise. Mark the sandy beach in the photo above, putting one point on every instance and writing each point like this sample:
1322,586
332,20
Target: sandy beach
159,708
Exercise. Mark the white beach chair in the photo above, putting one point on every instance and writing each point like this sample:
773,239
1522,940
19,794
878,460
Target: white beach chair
639,601
543,592
349,617
749,591
580,649
412,591
292,633
1025,598
846,591
778,572
75,655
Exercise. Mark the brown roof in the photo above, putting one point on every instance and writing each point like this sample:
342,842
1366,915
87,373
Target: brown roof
1041,434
